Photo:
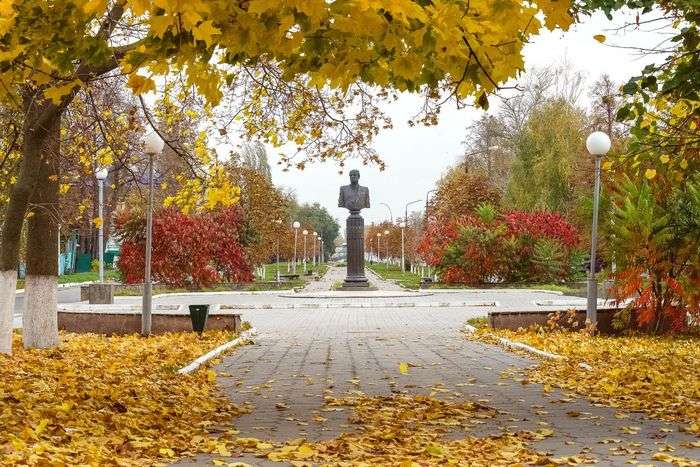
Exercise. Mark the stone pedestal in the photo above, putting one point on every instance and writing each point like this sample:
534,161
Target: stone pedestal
101,294
355,278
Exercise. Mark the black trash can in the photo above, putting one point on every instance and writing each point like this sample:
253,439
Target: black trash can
199,314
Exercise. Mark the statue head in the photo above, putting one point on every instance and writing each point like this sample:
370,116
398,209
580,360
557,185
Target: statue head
354,176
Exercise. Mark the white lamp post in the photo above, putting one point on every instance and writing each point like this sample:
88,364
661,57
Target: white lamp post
403,251
386,246
315,234
101,176
306,233
278,222
296,226
598,144
152,145
379,255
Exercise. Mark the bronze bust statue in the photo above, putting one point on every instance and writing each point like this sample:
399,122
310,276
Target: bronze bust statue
354,197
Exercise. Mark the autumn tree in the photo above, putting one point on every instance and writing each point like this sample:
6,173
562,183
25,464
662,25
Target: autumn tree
49,51
315,217
460,191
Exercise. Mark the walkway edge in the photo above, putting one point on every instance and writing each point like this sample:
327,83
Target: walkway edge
517,345
245,335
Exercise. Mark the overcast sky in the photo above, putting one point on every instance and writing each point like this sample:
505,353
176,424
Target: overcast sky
416,157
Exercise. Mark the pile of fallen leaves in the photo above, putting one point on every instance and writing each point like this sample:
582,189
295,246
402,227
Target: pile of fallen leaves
658,375
109,400
407,431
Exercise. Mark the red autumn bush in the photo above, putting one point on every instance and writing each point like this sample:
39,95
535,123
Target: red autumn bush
194,251
540,225
488,248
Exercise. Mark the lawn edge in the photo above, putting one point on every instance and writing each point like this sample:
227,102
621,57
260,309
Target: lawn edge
195,364
469,329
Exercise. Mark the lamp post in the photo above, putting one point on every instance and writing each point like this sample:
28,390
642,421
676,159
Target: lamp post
296,226
403,252
322,253
405,210
598,144
391,215
101,176
152,145
315,234
427,199
379,255
386,246
278,222
306,233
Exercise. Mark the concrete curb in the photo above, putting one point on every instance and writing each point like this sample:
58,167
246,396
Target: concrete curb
517,345
245,335
298,306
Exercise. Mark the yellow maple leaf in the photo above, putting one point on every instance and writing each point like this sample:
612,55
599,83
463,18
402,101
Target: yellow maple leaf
57,93
141,84
97,221
403,368
600,38
93,6
205,31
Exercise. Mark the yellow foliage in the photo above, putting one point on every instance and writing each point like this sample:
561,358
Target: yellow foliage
406,430
657,375
97,400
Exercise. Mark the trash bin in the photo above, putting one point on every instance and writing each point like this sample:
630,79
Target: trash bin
198,315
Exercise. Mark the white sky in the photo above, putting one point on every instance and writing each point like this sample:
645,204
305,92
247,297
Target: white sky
416,157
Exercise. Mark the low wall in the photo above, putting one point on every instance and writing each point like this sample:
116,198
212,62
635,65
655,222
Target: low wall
129,322
522,319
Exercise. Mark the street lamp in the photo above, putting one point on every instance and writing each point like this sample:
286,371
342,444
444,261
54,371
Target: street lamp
427,199
598,144
278,222
305,232
379,255
322,253
315,234
391,216
403,252
152,145
386,246
101,176
296,226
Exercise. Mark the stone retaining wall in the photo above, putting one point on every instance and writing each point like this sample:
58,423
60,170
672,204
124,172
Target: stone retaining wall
128,323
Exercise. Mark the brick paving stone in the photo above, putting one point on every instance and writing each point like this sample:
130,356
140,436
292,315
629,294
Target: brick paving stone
300,355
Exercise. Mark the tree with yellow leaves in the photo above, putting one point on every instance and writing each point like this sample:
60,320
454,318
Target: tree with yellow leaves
51,50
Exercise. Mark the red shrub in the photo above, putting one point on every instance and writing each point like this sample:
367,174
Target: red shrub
542,225
196,250
501,249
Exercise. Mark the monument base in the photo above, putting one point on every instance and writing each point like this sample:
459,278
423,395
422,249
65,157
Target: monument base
356,285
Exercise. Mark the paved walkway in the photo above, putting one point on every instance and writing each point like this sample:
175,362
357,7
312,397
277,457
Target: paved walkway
302,355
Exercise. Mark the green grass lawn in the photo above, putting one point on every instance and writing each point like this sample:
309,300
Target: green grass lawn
392,272
111,275
271,270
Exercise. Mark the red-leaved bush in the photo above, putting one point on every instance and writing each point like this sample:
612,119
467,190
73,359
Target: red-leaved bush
189,250
542,225
517,246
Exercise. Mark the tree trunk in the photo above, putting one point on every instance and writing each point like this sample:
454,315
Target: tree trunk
40,320
34,134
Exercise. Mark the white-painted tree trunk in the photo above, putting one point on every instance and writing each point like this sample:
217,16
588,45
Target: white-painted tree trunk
8,285
40,319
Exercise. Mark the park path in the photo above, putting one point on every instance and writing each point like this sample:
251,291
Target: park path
302,355
336,274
